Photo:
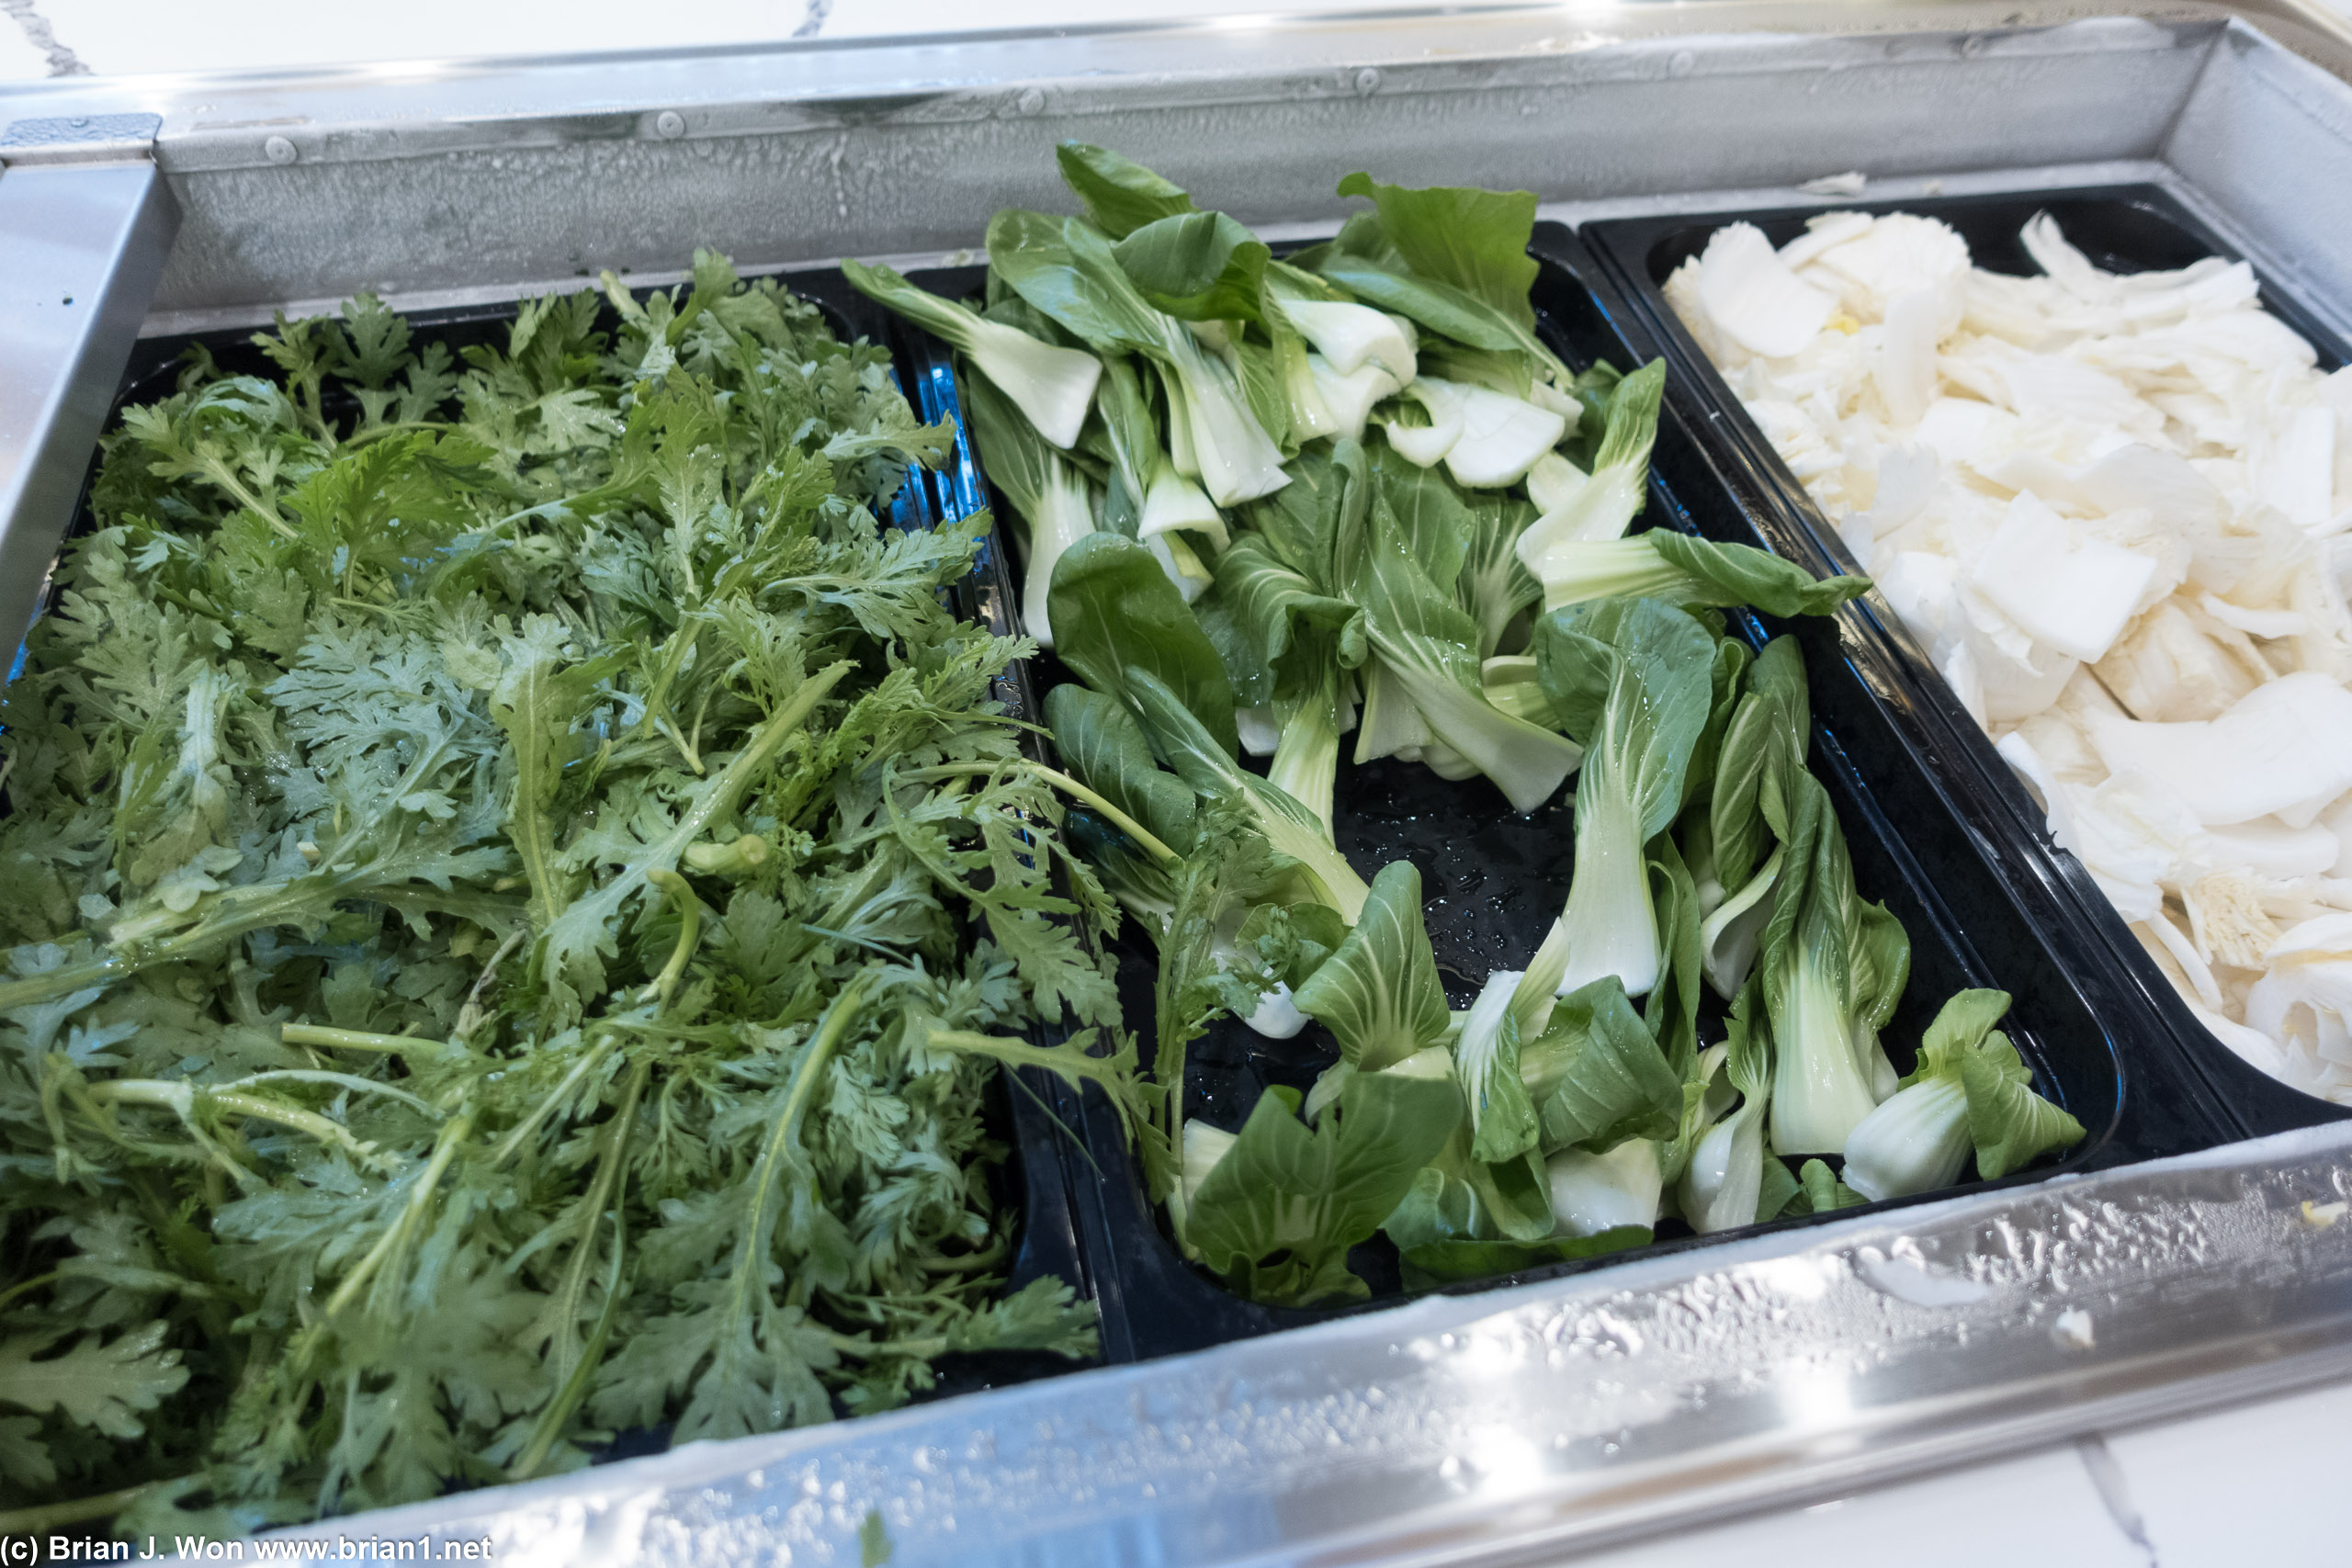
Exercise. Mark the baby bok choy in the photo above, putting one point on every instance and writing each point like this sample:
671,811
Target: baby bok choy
1970,1094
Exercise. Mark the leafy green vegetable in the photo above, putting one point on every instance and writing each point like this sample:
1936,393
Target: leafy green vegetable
1050,384
521,889
1812,992
1435,1263
1679,569
1602,504
1289,828
1379,993
1117,611
1648,666
1277,1213
1971,1092
1120,195
1612,1081
1474,239
1197,266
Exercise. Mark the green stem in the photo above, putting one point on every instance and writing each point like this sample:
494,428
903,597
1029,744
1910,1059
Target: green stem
782,1146
611,1170
81,1510
239,909
35,1283
547,1103
180,1098
359,1040
226,477
358,437
451,1137
681,897
1143,836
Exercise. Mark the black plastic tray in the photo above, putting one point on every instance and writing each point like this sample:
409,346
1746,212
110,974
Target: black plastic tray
1493,880
2130,228
1034,1175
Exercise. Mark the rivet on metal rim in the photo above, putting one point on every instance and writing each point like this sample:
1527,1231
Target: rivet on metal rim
1368,80
1682,63
1031,101
670,124
278,150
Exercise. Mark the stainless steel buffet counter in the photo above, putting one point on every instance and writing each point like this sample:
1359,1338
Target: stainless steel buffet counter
1487,1428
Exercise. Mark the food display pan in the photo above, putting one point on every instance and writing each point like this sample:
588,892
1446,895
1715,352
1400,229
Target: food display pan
2124,228
1493,880
1033,1179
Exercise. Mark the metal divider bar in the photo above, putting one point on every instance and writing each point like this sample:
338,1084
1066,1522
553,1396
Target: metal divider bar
81,246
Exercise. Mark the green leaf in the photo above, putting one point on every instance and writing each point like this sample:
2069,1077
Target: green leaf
1473,240
1737,574
105,1386
1197,266
1820,1193
1459,1197
2010,1125
1120,195
1616,1083
1379,993
1277,1215
1725,680
1067,271
1291,828
1436,1263
1114,609
1764,744
1101,742
1671,1010
1425,649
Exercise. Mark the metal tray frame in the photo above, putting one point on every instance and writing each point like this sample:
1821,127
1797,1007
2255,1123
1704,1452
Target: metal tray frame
1487,1428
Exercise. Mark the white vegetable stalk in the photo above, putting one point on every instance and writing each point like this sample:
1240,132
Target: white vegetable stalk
1917,1142
1182,565
1203,1146
1277,1016
1174,502
1611,923
1053,385
1599,510
1311,412
1349,337
1306,760
1349,398
1728,940
1486,439
1510,686
1425,445
1722,1184
1502,438
1065,515
1576,571
1819,1093
1474,1053
1591,1193
1237,461
1553,482
1754,297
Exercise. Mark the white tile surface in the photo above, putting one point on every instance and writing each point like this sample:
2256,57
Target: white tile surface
2038,1508
18,58
2260,1485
